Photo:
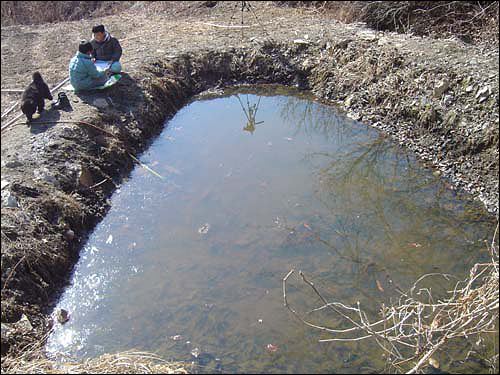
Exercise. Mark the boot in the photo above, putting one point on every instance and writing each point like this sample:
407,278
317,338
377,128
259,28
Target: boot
62,101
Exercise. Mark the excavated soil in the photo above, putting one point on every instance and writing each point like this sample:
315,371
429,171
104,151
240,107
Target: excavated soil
438,98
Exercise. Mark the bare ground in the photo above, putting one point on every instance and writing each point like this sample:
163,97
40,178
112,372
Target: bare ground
387,80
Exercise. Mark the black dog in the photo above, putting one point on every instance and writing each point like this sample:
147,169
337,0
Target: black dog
34,95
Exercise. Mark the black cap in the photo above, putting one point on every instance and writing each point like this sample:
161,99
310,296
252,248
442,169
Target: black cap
85,47
98,29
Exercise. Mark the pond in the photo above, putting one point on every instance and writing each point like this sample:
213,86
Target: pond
238,190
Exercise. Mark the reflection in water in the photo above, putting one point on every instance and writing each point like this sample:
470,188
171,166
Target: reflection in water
311,190
250,113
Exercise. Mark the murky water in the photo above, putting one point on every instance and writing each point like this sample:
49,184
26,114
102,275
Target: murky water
193,263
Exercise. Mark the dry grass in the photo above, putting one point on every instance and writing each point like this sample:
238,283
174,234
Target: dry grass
472,20
127,362
37,12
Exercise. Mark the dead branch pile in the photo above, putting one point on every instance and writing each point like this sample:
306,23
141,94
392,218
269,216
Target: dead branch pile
471,20
411,330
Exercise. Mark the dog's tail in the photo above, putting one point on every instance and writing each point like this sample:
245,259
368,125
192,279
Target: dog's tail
37,77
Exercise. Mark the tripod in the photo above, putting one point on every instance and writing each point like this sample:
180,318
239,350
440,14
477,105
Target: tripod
246,5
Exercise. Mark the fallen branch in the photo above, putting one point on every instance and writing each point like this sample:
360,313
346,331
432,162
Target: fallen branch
9,109
418,324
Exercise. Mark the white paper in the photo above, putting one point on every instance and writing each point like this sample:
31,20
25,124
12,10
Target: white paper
101,65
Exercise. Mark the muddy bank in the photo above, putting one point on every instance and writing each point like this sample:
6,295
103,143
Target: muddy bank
60,175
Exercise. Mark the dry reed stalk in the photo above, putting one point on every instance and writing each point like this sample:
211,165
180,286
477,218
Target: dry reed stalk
127,362
418,323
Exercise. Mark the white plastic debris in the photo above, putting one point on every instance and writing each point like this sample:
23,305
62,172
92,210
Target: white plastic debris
195,352
110,239
204,228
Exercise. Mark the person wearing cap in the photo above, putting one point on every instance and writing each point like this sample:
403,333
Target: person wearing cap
83,74
106,48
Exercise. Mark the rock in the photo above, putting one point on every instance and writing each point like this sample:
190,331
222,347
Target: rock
368,35
450,118
348,101
7,329
85,177
71,172
69,235
11,164
8,200
354,116
441,87
307,64
383,41
44,174
469,88
483,94
62,316
448,100
24,323
343,44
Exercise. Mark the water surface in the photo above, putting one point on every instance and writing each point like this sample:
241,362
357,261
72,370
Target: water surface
193,262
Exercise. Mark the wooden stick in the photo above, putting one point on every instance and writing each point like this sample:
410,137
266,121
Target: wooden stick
60,84
12,90
227,27
99,183
10,109
12,121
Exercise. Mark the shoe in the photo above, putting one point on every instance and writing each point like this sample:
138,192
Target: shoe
62,101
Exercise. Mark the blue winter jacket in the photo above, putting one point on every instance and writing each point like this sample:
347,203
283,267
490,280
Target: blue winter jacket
83,74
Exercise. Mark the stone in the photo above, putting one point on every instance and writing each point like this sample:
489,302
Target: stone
8,200
450,118
348,101
44,174
85,177
69,235
12,164
62,316
7,329
367,35
24,323
483,94
441,87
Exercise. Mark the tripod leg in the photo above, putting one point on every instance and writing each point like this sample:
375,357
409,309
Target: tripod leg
232,14
250,8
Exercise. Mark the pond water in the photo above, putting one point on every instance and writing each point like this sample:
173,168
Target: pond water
190,265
